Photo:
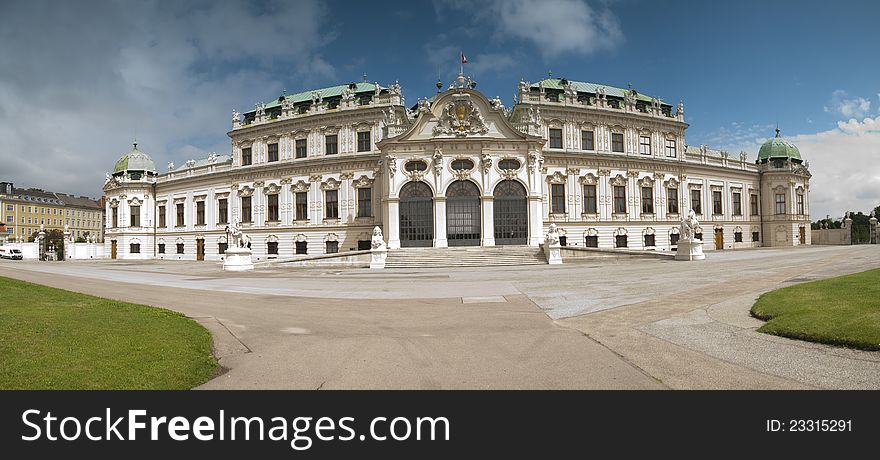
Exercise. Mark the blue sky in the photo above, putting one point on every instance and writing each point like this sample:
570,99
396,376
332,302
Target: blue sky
170,73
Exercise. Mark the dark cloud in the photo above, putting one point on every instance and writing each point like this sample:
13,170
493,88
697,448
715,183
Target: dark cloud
79,80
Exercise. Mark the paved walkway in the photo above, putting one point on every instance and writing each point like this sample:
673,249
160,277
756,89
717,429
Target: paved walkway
631,323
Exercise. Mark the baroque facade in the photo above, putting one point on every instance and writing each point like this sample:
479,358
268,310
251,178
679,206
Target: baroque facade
314,172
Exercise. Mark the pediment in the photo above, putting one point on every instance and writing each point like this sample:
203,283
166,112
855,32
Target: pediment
459,113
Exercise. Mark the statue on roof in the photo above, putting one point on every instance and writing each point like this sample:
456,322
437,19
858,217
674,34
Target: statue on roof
424,105
496,103
377,89
170,166
236,116
523,86
630,97
600,92
395,88
347,94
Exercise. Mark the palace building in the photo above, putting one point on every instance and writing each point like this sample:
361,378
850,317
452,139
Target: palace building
312,173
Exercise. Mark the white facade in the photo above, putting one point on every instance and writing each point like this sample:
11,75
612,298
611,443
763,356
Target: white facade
314,174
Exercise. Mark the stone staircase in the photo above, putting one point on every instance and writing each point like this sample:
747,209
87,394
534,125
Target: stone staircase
469,256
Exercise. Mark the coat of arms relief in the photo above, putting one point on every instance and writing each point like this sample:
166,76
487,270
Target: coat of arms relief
461,118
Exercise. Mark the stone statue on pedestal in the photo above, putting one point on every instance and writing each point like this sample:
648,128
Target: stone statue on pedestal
688,246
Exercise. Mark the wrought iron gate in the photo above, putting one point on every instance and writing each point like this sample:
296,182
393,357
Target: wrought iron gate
463,217
511,213
416,215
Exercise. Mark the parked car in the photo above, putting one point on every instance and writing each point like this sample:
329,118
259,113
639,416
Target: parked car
10,253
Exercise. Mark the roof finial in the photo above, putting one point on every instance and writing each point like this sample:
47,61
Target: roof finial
549,74
777,129
365,77
135,143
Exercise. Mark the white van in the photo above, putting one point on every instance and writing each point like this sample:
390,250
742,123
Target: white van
7,252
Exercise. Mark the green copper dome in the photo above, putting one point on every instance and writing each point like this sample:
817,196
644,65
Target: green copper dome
135,161
780,148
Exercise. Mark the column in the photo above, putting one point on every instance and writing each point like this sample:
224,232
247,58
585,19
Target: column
393,227
488,209
440,240
536,223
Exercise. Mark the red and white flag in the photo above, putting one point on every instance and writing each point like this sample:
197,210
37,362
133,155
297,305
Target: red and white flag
463,59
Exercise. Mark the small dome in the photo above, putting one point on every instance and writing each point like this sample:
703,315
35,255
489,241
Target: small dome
135,161
778,148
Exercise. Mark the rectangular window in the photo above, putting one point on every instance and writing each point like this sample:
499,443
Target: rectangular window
273,152
180,248
591,241
555,138
644,145
134,248
302,247
200,213
557,198
587,141
697,200
246,209
673,239
620,241
717,209
649,241
647,200
331,144
800,204
246,157
756,237
331,247
364,245
670,148
222,247
620,199
302,206
161,248
590,205
737,237
365,202
671,200
272,203
364,144
331,204
617,142
780,203
272,248
115,222
162,220
737,204
302,146
135,216
753,205
222,211
180,222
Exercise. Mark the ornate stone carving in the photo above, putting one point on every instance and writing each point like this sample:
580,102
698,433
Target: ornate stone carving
346,176
486,162
438,160
617,180
589,179
557,178
315,178
301,186
363,182
330,184
460,118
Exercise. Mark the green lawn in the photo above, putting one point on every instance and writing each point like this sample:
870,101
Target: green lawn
839,311
56,339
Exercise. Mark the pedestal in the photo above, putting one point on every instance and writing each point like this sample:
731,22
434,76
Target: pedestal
553,253
690,250
377,258
238,260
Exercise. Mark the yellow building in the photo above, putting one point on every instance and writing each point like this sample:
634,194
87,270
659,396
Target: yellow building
83,216
24,210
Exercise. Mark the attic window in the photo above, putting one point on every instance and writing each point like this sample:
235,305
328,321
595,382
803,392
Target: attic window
416,165
508,164
462,165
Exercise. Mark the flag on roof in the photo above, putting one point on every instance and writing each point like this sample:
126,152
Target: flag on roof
463,58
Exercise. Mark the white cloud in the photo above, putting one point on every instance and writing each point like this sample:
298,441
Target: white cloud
841,104
555,27
738,136
845,163
73,96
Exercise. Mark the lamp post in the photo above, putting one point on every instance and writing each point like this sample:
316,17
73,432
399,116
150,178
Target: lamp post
40,238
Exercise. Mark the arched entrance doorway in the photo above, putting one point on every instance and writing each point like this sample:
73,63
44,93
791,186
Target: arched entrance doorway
416,215
511,210
463,216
